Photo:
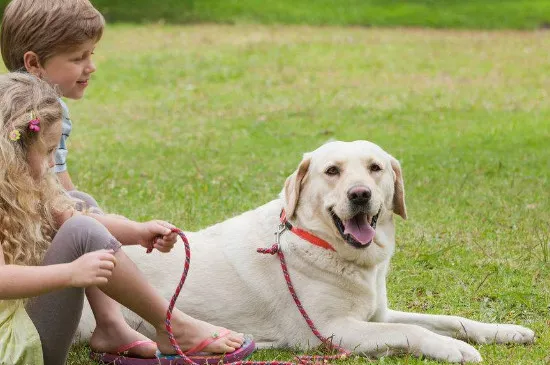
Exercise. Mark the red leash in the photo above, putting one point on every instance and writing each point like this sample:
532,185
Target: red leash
342,353
175,297
275,249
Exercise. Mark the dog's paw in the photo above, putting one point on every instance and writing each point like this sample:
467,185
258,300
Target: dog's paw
448,349
503,333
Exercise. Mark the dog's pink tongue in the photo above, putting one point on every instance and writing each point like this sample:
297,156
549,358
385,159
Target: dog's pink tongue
359,229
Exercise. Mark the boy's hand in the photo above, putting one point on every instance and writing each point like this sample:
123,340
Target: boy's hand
93,268
157,234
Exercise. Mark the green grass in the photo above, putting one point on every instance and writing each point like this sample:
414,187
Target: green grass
478,14
196,124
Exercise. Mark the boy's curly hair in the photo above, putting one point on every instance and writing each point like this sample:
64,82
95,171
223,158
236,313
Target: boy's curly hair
47,28
27,206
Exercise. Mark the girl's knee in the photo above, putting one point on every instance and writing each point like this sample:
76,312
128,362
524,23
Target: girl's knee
87,234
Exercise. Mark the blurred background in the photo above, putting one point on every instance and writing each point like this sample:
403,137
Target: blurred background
478,14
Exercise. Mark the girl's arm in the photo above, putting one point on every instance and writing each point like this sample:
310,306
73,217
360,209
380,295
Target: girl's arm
17,282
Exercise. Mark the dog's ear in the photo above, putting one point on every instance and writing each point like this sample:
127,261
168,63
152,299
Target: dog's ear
399,207
293,186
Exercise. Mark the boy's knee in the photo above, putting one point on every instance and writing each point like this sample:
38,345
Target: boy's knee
85,201
87,234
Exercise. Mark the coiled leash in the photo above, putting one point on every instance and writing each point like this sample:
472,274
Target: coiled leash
301,359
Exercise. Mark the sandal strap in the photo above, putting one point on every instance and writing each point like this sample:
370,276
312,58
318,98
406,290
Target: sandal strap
122,349
208,341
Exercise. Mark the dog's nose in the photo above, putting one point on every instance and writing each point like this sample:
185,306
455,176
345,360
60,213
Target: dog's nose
359,195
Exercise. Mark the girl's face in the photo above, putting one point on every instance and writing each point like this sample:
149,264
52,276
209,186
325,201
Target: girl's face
71,71
40,155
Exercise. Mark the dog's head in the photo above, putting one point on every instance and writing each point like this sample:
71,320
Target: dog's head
344,192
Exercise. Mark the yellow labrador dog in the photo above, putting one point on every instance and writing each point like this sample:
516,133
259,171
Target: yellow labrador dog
345,194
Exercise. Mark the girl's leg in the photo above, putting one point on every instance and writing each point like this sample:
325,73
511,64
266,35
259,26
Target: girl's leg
129,287
111,332
56,314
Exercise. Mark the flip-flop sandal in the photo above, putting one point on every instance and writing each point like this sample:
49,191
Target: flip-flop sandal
194,354
208,358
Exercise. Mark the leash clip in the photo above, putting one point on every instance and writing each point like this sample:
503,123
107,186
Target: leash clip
280,230
277,245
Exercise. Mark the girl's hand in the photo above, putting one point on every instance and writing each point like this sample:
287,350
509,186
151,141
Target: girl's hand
157,234
93,268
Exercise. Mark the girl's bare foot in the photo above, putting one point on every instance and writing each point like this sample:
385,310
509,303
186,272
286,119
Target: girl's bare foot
190,332
110,339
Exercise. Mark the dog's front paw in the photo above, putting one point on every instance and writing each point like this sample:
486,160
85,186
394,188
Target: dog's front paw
448,349
503,333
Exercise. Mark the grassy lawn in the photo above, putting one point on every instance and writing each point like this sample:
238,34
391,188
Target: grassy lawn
479,14
196,124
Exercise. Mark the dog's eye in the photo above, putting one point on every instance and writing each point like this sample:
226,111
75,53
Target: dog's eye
375,167
333,170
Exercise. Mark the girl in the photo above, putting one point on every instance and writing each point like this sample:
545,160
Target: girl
50,252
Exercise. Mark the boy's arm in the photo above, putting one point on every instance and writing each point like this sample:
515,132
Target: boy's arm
65,180
62,151
126,231
152,234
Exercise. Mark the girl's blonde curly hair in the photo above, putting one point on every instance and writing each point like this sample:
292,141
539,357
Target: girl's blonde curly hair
27,206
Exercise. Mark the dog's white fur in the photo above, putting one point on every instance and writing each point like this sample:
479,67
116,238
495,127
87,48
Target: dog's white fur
344,292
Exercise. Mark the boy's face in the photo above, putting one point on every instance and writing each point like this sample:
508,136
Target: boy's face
40,155
70,71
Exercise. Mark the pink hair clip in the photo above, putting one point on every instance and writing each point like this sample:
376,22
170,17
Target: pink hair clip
34,123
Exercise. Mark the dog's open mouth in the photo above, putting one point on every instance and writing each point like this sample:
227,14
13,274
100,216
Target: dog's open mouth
359,230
